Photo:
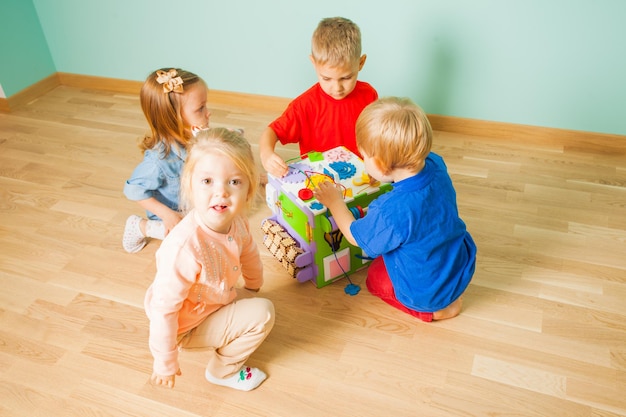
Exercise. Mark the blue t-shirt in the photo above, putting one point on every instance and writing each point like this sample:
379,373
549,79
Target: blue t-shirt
157,176
429,255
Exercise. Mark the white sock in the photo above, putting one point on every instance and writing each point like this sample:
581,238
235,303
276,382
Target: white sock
133,240
155,229
245,380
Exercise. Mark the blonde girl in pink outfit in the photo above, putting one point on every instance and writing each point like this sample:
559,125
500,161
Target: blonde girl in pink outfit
194,301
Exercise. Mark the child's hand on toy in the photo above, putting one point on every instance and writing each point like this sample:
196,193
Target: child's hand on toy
328,193
275,165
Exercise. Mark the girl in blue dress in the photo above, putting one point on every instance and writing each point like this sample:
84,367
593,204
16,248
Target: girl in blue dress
174,102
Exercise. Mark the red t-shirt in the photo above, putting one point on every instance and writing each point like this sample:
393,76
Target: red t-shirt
318,122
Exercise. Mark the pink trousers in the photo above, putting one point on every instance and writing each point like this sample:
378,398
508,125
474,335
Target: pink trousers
231,334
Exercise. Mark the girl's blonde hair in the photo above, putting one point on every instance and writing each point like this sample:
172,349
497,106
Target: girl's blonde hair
396,131
162,110
336,41
218,141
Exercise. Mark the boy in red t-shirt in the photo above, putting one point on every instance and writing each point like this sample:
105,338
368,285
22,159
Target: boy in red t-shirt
324,116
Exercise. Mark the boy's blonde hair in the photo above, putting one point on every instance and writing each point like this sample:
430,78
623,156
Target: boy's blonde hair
396,131
218,141
336,41
162,109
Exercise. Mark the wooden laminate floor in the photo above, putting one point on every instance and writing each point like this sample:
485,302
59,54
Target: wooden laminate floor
542,332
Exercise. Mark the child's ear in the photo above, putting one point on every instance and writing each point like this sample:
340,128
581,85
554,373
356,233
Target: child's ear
380,166
362,61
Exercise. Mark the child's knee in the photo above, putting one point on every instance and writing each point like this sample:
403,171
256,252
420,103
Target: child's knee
265,313
270,313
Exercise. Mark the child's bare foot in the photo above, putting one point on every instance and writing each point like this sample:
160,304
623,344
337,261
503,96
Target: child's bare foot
452,310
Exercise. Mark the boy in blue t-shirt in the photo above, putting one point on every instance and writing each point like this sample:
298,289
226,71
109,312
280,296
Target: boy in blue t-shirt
424,256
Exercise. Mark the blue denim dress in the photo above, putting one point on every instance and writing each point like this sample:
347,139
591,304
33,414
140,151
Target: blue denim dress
157,176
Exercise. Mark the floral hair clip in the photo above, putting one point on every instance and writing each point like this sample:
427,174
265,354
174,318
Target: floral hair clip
170,81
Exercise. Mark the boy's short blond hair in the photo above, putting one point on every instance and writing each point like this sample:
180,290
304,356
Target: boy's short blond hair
335,42
396,131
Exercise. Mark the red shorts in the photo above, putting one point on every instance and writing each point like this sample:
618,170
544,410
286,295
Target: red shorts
379,284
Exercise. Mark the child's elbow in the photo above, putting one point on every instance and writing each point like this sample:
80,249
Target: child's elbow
350,239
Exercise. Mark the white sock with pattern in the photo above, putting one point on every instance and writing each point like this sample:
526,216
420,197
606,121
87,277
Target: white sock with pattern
155,229
245,380
133,240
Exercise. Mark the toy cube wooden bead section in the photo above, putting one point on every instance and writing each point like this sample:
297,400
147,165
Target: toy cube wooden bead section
301,233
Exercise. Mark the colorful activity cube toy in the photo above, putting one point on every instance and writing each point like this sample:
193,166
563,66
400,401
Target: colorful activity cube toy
302,233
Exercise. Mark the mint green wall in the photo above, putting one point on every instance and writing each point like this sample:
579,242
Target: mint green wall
24,55
553,63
